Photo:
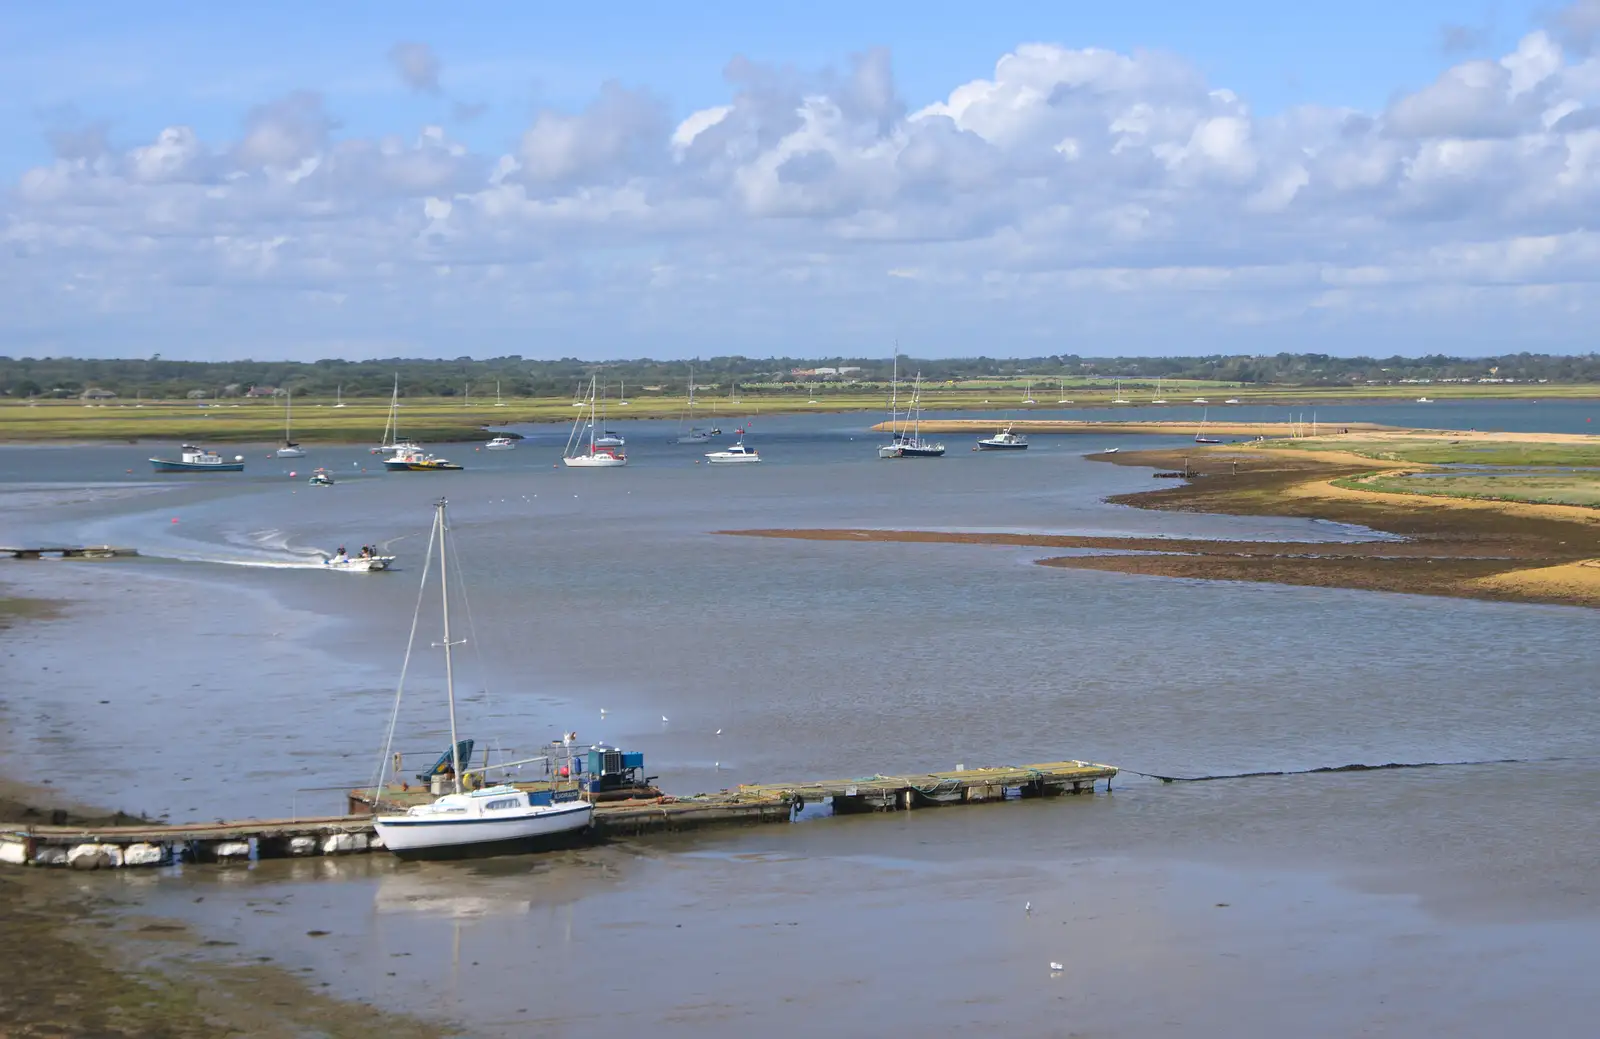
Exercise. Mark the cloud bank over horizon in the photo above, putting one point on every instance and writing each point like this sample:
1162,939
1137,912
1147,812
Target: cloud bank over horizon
1075,200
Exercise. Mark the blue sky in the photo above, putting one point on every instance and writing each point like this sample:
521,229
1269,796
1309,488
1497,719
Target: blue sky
1269,175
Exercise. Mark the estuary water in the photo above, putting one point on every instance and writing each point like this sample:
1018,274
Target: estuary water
223,673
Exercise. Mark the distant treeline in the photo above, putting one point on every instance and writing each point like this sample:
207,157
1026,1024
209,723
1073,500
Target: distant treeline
520,377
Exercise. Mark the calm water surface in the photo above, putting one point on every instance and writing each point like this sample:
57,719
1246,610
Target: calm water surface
222,674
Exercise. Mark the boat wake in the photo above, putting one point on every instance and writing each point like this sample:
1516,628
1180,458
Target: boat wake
1355,767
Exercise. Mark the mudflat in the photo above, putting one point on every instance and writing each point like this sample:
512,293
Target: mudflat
1465,548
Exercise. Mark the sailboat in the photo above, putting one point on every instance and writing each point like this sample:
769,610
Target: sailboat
491,820
593,455
911,445
290,449
338,397
622,394
1118,399
892,450
391,441
497,401
1200,435
1158,399
693,434
1027,393
1063,399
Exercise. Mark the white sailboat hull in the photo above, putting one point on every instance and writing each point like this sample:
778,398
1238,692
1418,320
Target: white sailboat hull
534,828
291,452
595,461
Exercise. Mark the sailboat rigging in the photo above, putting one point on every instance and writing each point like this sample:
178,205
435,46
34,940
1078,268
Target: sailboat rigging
595,454
688,432
290,449
1200,435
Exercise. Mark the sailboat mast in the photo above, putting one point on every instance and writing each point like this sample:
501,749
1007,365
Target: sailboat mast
288,405
449,674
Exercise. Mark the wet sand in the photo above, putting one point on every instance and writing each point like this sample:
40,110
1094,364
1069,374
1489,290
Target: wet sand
94,964
1450,547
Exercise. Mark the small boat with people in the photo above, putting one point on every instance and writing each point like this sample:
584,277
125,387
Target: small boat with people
321,478
192,459
368,561
500,444
1005,440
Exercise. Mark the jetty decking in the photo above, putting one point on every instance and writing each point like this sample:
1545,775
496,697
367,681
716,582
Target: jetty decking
67,552
110,847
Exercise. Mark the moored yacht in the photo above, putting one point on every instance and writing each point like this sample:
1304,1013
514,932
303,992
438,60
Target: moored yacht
192,459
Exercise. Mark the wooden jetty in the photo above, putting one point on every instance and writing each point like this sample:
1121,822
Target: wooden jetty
68,552
110,847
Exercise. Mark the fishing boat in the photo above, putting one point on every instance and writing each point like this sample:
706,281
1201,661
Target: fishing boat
1005,440
290,449
500,444
192,459
471,823
321,478
693,434
1200,435
908,443
592,454
413,459
392,442
364,562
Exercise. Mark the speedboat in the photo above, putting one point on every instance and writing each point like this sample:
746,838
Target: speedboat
500,444
416,460
734,455
1005,440
321,478
192,459
360,564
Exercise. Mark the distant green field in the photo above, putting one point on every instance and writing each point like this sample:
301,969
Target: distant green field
1537,488
443,418
1440,451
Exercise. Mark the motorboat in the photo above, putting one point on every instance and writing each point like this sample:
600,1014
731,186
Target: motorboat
468,823
321,478
1005,440
363,563
411,459
500,444
192,459
736,455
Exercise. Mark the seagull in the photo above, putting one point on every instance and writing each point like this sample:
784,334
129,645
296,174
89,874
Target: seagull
602,712
663,717
1027,907
719,732
1057,967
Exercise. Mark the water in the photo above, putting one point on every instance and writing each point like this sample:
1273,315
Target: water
240,680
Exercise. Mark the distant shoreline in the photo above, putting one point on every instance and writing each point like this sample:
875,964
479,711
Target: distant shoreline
435,420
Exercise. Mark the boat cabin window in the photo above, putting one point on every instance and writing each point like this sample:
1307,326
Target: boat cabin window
504,802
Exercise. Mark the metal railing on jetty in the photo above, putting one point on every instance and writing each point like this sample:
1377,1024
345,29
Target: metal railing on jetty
159,844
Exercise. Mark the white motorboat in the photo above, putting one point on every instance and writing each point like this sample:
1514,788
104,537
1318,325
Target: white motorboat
321,478
738,454
1005,440
500,444
472,823
290,449
1424,400
1231,400
593,454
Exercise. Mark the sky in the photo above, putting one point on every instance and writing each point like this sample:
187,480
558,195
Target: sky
303,180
